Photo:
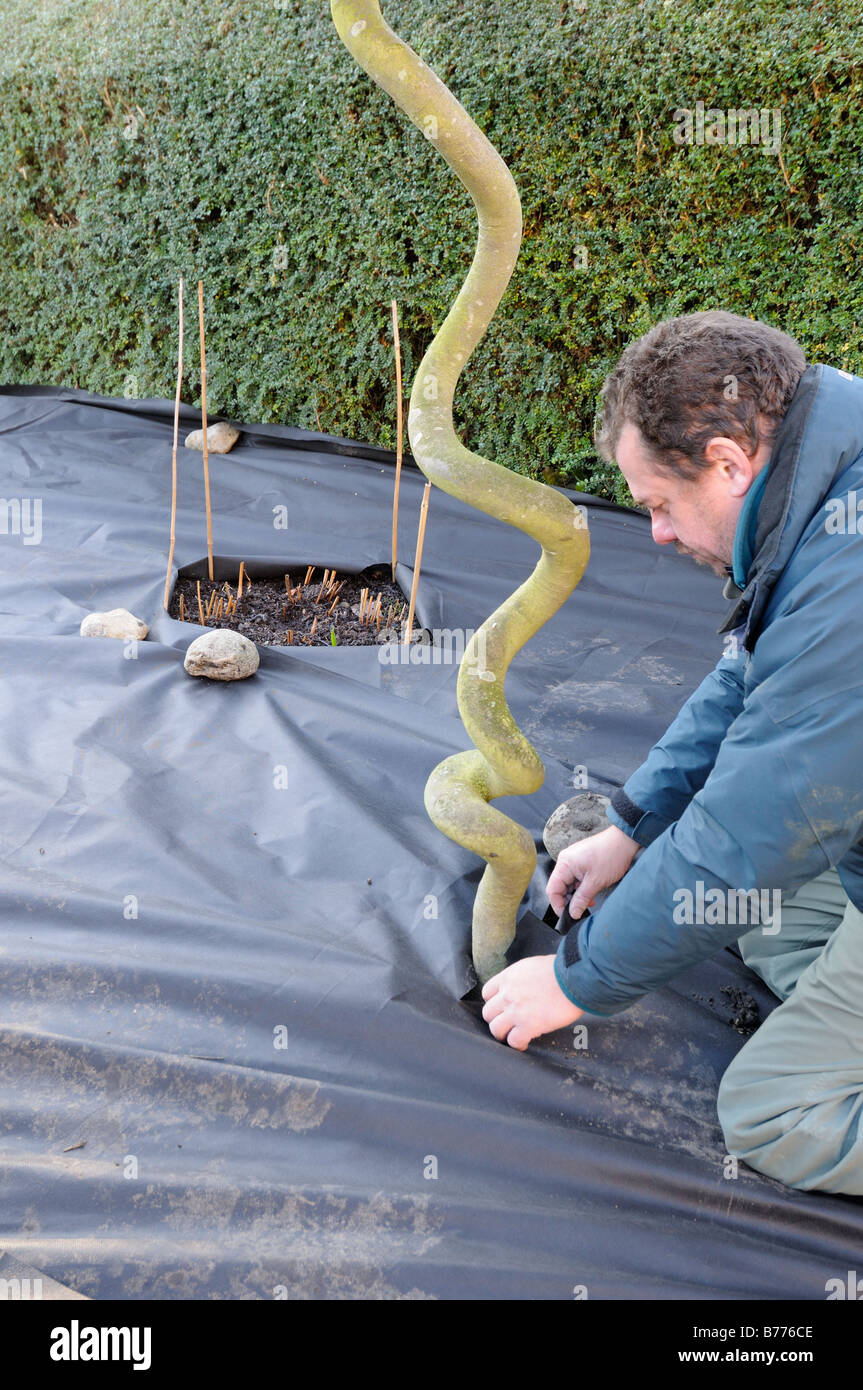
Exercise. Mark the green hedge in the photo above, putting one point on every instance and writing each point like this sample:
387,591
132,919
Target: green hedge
240,143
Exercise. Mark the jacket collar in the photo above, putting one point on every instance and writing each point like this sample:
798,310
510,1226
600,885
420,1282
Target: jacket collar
744,536
782,516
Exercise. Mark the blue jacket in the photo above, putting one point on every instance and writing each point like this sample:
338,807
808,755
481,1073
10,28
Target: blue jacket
758,782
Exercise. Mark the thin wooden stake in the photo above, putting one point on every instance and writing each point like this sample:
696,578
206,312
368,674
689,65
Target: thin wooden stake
200,605
399,432
219,609
309,572
290,634
174,456
240,582
210,604
288,584
204,423
182,614
314,625
332,605
420,537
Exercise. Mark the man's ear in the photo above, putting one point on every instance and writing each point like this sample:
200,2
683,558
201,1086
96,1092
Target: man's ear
736,466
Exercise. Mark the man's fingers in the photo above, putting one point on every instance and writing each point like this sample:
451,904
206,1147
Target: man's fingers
560,881
494,1007
581,900
505,1029
491,987
501,1026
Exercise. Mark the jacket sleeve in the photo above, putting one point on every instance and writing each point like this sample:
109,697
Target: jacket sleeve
783,802
678,765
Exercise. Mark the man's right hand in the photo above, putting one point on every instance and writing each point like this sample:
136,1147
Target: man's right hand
591,865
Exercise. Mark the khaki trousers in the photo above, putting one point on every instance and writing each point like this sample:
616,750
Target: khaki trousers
791,1102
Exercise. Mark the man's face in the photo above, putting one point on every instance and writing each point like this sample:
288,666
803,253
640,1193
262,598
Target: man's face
700,517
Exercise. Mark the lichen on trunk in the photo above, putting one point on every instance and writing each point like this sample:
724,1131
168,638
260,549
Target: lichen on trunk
503,762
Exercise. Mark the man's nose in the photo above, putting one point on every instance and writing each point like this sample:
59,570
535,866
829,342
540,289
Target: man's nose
663,531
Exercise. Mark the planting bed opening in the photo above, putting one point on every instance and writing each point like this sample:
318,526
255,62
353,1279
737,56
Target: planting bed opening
311,605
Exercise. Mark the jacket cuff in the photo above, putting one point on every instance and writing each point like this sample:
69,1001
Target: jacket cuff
642,826
560,976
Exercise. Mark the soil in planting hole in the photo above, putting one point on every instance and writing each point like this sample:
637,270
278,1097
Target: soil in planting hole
745,1018
301,609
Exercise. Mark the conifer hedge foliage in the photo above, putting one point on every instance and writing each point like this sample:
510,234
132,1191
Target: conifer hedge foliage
239,143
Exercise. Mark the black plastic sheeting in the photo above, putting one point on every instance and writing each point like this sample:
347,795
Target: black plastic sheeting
234,997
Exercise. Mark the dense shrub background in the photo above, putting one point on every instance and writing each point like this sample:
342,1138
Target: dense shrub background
239,143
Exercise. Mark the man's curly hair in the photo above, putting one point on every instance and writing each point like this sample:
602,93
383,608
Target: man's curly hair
697,376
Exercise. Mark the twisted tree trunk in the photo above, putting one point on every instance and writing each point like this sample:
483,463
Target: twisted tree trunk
503,763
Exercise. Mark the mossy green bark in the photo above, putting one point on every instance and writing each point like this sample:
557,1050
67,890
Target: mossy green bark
503,762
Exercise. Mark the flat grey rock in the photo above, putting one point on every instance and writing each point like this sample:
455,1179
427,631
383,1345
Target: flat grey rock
222,655
582,815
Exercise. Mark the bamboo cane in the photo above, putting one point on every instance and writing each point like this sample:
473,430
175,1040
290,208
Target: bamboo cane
420,536
204,424
174,456
399,433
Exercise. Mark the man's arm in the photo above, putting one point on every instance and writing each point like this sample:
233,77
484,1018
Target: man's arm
783,801
678,765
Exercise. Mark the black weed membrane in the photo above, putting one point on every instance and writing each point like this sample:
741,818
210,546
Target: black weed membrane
241,1054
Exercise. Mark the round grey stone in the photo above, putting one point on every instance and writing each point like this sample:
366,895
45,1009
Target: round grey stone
222,655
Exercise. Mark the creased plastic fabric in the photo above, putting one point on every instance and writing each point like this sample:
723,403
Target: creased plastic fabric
267,1062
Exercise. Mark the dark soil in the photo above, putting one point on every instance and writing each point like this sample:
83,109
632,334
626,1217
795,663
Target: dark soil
745,1018
269,617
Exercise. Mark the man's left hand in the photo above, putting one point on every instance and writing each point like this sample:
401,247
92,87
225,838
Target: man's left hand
525,1001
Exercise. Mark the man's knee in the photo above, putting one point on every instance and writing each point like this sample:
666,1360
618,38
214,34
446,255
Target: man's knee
794,1128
